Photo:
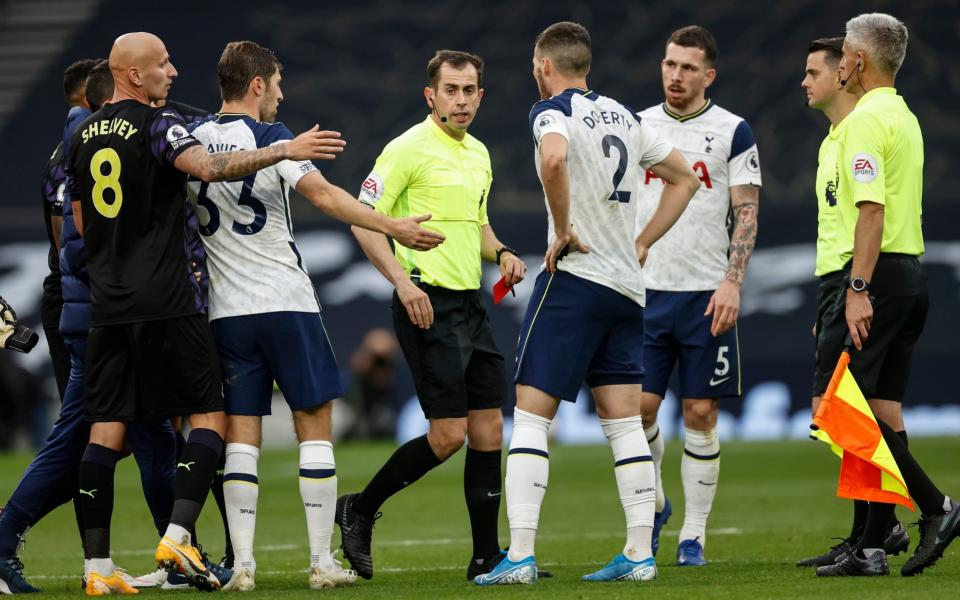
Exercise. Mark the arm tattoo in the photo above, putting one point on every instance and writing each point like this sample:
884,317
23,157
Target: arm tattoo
223,166
746,205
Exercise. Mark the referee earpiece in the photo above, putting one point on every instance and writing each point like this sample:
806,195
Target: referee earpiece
856,68
433,107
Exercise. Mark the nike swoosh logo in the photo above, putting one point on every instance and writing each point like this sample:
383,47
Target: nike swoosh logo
718,381
706,483
489,495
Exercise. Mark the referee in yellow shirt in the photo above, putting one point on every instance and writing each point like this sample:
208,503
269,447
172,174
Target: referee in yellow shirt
884,307
437,168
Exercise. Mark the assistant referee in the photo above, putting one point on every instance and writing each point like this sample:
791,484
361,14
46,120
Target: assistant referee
885,304
436,167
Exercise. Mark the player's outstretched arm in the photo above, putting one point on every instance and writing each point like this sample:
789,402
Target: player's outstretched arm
680,183
556,185
222,166
724,305
336,202
415,300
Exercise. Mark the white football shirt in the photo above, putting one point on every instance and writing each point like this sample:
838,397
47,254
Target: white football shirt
608,150
254,263
692,255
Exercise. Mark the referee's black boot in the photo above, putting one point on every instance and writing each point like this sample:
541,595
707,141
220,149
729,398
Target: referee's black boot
479,566
356,532
897,541
831,556
936,533
855,566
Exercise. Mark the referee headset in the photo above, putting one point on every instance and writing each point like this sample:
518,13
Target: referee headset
856,70
433,107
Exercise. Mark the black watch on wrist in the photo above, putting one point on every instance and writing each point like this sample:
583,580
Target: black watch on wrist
859,284
503,249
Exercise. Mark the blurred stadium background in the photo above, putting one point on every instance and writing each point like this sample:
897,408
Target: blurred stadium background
358,67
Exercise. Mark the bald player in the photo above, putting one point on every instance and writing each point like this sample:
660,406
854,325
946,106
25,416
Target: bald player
150,353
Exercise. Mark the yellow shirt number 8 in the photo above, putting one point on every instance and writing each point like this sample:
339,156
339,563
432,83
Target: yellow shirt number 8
110,181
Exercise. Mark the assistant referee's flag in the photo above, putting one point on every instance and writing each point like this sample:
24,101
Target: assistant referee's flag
845,422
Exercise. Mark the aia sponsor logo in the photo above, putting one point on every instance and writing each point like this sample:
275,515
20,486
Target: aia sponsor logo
699,167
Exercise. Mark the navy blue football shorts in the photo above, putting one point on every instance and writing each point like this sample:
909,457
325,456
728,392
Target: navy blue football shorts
677,332
578,331
291,348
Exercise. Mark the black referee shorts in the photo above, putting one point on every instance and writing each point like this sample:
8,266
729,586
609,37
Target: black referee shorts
153,369
829,292
900,304
455,364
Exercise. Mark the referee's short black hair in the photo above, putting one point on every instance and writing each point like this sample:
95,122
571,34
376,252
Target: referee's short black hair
240,63
568,46
832,48
456,59
99,85
694,36
75,76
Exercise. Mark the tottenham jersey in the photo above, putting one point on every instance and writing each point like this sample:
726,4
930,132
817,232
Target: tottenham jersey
692,255
607,153
254,263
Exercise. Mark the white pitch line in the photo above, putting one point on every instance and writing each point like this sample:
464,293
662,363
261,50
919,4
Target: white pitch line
417,542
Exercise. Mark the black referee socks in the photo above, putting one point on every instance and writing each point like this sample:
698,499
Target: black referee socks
922,489
196,468
482,488
96,498
408,463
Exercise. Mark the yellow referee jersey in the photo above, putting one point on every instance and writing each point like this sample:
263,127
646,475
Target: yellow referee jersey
883,163
424,170
828,190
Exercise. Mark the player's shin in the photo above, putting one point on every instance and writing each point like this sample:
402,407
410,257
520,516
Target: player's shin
196,468
318,490
528,469
636,479
241,489
699,471
655,441
97,470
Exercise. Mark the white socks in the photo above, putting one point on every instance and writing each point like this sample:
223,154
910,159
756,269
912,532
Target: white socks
528,469
636,481
101,566
240,491
178,534
318,489
655,440
699,470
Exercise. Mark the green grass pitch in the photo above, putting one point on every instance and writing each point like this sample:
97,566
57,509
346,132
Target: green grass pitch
775,504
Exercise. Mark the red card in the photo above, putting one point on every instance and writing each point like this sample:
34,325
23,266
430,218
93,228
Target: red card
500,290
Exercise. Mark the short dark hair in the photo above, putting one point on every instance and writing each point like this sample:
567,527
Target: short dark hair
694,36
99,85
568,46
240,63
456,59
75,76
832,46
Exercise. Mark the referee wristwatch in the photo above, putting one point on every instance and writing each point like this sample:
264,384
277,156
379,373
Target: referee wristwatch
503,249
859,284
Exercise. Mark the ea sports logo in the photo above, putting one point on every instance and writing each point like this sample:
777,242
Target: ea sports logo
865,167
372,188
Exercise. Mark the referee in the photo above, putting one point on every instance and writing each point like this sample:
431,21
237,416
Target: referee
436,167
885,303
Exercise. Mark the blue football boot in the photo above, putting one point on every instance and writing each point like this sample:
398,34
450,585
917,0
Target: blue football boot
508,572
622,568
690,554
659,520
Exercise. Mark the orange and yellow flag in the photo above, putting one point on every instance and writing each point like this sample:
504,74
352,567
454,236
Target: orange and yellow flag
845,422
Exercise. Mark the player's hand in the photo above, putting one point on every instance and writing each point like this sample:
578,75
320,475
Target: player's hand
512,268
417,304
642,252
859,314
408,232
725,307
563,241
314,144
